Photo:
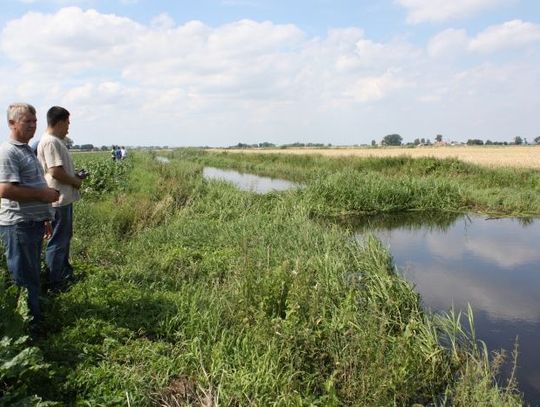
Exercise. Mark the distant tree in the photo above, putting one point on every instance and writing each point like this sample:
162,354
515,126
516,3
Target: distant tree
518,140
416,141
489,142
374,143
68,142
87,147
475,142
537,140
392,140
423,140
104,148
438,138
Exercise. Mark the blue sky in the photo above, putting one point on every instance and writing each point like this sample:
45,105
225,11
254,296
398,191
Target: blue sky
220,72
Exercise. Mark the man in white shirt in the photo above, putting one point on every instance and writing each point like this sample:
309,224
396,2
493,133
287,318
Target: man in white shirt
60,174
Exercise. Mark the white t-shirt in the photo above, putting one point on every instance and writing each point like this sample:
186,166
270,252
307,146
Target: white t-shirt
52,152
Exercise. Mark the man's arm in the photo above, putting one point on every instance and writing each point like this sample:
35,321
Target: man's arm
19,193
61,175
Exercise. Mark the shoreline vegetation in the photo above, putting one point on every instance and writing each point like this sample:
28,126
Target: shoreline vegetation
191,292
494,156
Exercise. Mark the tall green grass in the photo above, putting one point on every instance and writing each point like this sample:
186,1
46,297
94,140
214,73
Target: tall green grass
194,293
391,184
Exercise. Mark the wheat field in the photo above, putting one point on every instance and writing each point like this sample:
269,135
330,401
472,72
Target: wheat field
490,156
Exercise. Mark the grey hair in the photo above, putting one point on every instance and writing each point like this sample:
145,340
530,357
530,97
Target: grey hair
16,110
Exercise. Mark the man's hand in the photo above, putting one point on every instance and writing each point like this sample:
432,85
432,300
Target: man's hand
48,230
77,182
62,176
49,195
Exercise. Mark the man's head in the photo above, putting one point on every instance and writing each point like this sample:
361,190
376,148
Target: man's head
22,121
58,121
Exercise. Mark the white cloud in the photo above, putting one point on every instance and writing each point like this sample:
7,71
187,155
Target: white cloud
367,89
69,41
512,34
448,42
162,21
442,10
250,79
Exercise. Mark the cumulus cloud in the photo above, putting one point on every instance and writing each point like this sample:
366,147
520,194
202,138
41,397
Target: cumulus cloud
448,42
243,59
441,10
374,88
245,77
69,41
162,21
512,34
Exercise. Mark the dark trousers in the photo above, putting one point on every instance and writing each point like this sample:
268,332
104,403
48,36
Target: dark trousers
57,252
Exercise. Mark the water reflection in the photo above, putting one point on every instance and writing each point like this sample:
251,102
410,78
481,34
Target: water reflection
493,264
249,182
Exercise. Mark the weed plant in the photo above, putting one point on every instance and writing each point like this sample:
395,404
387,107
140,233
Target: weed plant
191,292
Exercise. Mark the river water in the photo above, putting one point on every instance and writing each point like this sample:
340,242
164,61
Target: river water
454,260
249,182
491,264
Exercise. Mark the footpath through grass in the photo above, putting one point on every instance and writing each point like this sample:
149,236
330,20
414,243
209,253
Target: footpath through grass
194,293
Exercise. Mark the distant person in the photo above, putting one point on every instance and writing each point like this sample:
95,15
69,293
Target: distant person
118,153
123,153
60,174
113,153
25,209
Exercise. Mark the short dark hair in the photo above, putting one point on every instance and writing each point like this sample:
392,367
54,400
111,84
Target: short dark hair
56,114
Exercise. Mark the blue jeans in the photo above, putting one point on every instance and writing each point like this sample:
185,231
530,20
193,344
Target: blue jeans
57,252
22,242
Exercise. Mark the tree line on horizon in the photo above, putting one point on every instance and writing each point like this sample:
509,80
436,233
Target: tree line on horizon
392,140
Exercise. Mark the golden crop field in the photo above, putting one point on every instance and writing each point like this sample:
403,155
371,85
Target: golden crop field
491,156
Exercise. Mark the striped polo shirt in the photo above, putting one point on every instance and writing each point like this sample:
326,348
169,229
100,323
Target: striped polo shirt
18,164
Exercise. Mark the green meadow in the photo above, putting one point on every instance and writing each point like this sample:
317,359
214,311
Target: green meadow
192,292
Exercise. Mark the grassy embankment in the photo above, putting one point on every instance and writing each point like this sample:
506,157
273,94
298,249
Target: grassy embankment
194,292
359,185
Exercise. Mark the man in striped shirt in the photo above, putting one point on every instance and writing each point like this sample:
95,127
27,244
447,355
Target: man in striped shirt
25,206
